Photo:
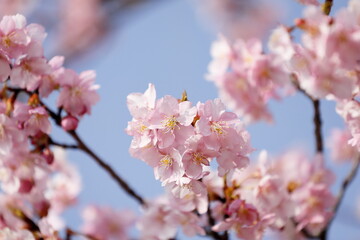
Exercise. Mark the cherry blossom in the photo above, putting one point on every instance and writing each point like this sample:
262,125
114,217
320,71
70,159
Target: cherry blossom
107,223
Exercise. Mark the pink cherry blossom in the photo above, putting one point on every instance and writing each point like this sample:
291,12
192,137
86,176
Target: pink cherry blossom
222,55
13,35
15,6
78,92
349,110
156,222
5,69
90,27
245,219
38,121
198,154
168,116
189,195
105,223
313,209
28,72
51,81
309,2
8,234
64,186
168,167
339,146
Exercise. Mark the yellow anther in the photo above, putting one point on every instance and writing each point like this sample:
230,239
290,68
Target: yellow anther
142,128
170,123
166,161
198,158
6,41
217,128
292,185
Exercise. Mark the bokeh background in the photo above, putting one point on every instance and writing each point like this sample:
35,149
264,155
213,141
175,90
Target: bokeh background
166,43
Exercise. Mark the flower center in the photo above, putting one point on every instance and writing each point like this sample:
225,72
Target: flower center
170,123
217,127
198,158
166,161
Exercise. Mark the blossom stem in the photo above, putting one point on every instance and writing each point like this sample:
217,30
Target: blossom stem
122,183
327,6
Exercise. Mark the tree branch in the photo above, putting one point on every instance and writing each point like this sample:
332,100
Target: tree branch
63,145
210,232
70,233
345,184
82,146
31,225
124,185
318,124
316,118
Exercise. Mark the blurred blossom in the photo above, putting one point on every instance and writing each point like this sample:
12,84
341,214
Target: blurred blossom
82,24
240,18
105,223
8,7
309,2
338,143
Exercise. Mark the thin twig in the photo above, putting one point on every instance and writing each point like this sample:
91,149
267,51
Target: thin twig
124,185
63,145
82,146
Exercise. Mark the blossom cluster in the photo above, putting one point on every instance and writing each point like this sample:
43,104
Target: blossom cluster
179,140
286,194
324,64
37,183
289,195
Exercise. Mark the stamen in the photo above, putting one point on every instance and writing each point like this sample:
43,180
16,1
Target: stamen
170,123
166,161
198,158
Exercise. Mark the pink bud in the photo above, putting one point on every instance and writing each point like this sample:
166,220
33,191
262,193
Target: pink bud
42,208
48,155
25,185
69,123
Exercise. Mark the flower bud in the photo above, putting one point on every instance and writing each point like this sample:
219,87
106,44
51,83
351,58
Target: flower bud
69,123
25,185
48,155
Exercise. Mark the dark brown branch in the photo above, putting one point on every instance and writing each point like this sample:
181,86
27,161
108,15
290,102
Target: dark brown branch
316,118
317,124
210,232
82,146
63,145
344,186
31,225
70,233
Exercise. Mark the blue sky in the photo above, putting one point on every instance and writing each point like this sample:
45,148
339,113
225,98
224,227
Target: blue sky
167,45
